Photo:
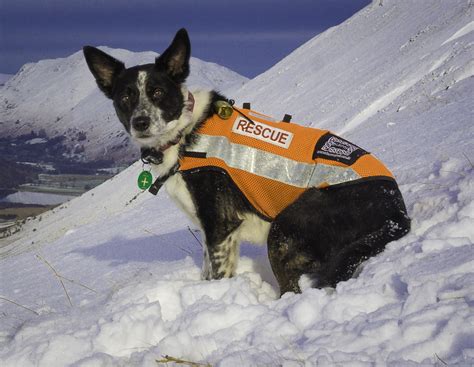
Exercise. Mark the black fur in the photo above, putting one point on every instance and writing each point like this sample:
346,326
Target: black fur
175,60
105,68
327,233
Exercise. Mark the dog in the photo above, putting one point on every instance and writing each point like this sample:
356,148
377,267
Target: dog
323,231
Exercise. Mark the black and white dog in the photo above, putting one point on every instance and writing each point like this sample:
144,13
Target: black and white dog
325,233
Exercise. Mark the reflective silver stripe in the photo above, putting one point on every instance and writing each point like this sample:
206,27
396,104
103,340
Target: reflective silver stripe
331,175
269,165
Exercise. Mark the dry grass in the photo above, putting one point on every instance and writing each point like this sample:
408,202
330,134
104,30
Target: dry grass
169,359
24,212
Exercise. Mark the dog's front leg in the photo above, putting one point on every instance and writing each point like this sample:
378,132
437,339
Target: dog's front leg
206,273
220,259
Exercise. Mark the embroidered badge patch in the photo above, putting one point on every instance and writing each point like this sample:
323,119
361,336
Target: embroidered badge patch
263,132
335,148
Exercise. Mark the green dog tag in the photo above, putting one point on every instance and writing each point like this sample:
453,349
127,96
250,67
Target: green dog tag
145,179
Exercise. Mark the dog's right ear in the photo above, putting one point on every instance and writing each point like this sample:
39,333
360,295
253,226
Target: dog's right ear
175,59
105,68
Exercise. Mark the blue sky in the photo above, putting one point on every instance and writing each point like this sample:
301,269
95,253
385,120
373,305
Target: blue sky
246,36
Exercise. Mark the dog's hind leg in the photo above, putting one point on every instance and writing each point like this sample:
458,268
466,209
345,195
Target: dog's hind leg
327,233
347,261
299,240
287,263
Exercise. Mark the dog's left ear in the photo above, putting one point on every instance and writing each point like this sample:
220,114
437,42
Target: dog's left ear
104,67
175,60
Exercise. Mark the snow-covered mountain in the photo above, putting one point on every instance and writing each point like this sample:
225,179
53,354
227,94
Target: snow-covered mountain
129,265
60,97
4,78
354,66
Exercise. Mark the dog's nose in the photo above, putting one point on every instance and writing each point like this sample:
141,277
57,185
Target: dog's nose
141,123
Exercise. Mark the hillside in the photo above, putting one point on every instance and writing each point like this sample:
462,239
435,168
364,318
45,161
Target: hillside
377,72
59,98
395,79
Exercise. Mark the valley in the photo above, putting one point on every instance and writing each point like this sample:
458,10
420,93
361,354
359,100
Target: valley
39,173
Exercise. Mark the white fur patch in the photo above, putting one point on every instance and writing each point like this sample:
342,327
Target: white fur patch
206,266
253,229
306,282
177,189
170,158
226,257
146,107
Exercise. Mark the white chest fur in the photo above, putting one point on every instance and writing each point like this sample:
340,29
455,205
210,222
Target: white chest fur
177,189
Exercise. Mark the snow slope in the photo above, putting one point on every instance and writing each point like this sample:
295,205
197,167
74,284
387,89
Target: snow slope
131,266
370,64
61,97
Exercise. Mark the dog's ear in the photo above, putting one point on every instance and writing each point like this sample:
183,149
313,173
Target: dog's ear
104,68
175,60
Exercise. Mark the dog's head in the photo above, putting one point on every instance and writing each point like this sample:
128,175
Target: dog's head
149,99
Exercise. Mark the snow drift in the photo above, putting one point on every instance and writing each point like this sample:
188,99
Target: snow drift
112,278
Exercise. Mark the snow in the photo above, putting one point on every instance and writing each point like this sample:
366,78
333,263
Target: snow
464,30
130,263
39,198
36,141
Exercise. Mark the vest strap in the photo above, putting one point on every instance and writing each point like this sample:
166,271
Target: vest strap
159,182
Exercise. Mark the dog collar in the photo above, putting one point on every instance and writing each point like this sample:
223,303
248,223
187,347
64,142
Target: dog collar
155,156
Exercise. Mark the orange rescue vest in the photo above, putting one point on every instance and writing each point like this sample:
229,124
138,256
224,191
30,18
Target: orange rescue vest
274,162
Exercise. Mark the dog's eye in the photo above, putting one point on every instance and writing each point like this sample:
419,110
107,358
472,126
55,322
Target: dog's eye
158,93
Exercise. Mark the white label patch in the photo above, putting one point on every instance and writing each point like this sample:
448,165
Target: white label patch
266,133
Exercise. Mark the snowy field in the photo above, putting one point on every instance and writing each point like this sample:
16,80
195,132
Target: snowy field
112,278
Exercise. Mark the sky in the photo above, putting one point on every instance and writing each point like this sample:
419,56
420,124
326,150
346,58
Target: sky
248,36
